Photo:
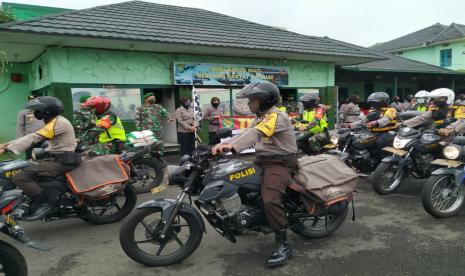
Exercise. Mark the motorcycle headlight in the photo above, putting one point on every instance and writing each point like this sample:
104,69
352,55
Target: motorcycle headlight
452,152
400,143
334,139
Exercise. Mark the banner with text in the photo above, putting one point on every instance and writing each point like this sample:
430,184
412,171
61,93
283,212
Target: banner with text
228,74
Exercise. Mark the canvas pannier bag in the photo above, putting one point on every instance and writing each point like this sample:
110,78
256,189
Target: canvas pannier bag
99,177
326,177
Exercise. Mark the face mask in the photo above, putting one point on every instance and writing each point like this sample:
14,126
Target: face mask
439,114
215,105
186,105
38,115
421,101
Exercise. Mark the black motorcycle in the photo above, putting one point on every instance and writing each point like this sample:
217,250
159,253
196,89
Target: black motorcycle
166,231
360,148
11,260
67,204
444,193
412,152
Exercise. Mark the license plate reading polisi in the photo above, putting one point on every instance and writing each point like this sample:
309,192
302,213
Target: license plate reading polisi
395,151
447,163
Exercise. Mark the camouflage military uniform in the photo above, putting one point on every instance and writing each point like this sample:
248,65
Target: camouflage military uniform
94,147
291,106
150,117
84,119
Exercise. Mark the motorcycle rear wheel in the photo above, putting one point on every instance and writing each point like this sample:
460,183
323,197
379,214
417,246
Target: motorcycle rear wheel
317,227
146,225
96,214
151,169
383,179
437,197
12,261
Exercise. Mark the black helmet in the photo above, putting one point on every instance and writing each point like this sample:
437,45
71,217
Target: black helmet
45,107
310,100
267,92
409,97
378,99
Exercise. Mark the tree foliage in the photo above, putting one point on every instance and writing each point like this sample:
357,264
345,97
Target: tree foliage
6,16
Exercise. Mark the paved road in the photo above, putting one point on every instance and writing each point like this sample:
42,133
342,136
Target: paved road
392,235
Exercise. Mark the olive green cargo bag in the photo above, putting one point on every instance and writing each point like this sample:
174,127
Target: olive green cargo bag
326,177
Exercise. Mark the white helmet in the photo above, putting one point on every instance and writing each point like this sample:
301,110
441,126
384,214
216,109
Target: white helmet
422,96
442,94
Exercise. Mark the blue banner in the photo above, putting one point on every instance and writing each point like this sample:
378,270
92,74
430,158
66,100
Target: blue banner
228,74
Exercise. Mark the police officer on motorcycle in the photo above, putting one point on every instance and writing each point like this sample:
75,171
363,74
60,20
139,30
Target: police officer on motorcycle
60,157
275,145
313,121
421,100
441,100
381,119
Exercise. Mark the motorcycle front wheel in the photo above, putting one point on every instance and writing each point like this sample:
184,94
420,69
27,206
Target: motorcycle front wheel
438,198
319,226
384,178
150,174
112,209
12,261
140,238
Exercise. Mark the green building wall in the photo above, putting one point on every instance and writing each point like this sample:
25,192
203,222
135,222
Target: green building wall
81,66
24,11
59,69
431,54
13,97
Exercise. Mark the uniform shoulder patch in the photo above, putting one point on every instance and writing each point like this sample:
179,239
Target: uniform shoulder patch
268,125
48,131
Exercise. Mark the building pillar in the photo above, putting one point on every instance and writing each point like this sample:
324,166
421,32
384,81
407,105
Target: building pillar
394,87
453,84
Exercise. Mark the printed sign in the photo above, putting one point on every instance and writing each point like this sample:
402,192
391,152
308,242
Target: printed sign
228,74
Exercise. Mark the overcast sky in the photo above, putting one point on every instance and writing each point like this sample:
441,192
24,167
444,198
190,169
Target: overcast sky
362,22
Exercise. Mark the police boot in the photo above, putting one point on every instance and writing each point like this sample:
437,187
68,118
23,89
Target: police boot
39,208
282,251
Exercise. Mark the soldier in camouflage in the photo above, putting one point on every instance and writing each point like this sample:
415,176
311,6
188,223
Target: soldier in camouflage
150,116
291,105
83,120
107,136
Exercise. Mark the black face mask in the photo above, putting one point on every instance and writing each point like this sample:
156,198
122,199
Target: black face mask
186,105
215,105
38,115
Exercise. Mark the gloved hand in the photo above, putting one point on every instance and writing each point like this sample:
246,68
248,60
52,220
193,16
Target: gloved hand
445,131
105,122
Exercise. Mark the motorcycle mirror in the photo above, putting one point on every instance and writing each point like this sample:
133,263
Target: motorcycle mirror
373,116
223,133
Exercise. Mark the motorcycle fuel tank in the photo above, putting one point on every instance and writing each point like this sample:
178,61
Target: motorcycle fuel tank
8,168
237,172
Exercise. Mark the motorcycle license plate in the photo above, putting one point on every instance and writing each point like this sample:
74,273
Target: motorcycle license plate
447,163
159,189
395,151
